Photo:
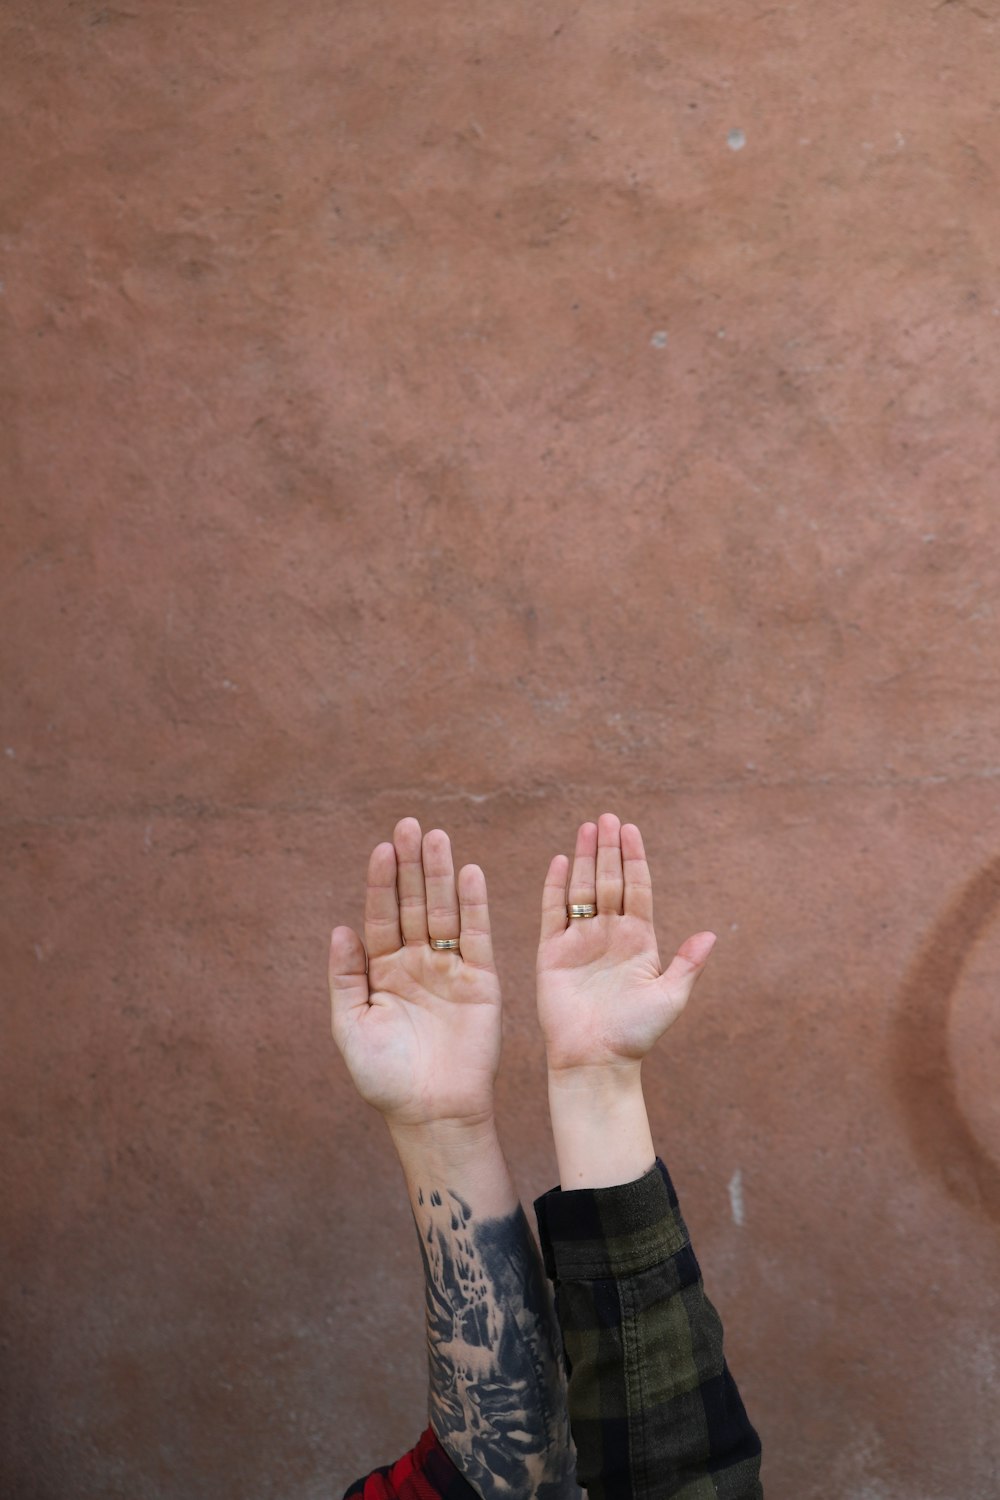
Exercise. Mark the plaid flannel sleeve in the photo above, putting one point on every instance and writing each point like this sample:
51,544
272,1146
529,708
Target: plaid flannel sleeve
425,1473
654,1410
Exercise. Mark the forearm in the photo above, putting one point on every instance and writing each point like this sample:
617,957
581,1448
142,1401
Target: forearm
659,1360
497,1400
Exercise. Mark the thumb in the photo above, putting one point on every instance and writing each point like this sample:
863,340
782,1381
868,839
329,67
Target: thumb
348,978
681,974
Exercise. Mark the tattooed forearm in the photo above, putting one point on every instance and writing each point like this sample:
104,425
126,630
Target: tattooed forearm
497,1382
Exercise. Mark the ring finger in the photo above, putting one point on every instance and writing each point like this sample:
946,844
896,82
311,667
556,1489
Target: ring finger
439,878
583,877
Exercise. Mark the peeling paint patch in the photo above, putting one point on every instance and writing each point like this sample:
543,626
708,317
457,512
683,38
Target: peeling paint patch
736,1197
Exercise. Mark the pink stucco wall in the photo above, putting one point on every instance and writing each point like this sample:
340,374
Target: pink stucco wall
501,416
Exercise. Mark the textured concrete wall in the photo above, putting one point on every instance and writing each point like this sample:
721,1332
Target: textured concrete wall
499,415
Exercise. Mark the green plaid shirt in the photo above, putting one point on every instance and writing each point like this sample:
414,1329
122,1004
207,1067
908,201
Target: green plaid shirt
653,1408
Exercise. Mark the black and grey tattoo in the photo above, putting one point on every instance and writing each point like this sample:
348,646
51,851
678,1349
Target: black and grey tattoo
497,1380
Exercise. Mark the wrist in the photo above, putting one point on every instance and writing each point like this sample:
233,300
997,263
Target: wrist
457,1156
444,1145
596,1080
600,1127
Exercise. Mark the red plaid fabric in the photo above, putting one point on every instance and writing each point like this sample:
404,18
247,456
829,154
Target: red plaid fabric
425,1473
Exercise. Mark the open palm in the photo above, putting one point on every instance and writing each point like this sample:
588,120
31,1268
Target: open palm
602,995
419,1029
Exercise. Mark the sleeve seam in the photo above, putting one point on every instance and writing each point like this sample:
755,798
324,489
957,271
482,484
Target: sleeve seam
604,1270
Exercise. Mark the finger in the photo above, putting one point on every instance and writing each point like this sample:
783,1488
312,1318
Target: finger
554,898
610,881
439,881
381,908
685,968
477,941
581,882
638,882
348,978
410,881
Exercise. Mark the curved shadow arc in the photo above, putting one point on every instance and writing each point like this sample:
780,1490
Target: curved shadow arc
923,1074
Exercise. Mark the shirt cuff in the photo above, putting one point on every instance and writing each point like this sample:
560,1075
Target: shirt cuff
611,1231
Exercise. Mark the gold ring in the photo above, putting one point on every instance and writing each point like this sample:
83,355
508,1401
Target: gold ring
451,944
582,909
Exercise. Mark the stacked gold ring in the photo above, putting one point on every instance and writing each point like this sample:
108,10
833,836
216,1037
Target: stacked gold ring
451,944
582,909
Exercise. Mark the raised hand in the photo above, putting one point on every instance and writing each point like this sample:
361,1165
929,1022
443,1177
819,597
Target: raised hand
419,1029
603,997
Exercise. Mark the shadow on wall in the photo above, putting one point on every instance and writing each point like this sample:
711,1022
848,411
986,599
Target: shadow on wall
924,1069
